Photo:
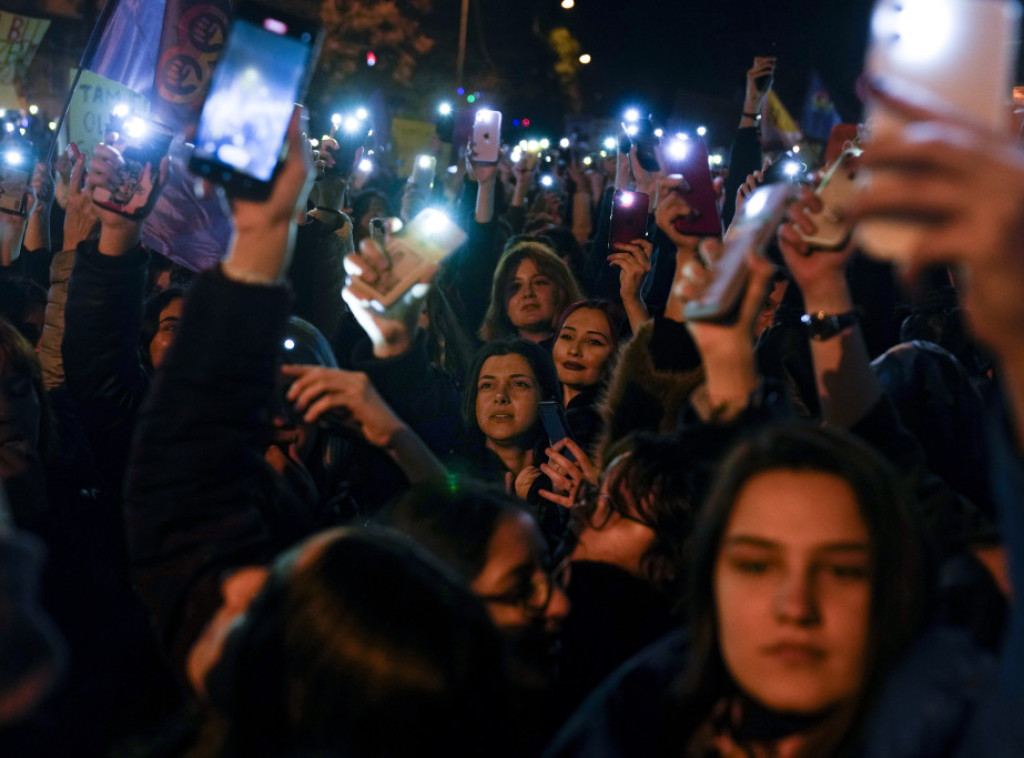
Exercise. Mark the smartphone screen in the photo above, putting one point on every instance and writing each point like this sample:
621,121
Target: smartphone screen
16,164
552,416
751,230
689,158
629,217
423,172
261,75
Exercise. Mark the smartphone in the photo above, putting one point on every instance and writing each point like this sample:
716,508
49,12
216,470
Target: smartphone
72,153
351,134
425,241
552,416
959,56
836,190
487,136
645,141
764,83
689,158
143,143
17,162
263,71
378,231
422,176
786,168
751,230
629,217
445,124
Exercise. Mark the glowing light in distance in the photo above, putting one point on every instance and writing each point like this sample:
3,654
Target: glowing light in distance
13,157
362,114
701,131
545,144
632,130
587,160
563,143
796,148
424,161
445,109
658,133
336,119
533,146
135,128
585,58
274,26
366,165
716,159
604,154
53,126
547,181
453,169
314,142
33,110
351,125
471,99
289,344
791,168
631,114
120,110
523,144
568,4
517,155
9,126
682,135
610,143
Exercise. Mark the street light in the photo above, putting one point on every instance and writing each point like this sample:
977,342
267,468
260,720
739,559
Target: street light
585,58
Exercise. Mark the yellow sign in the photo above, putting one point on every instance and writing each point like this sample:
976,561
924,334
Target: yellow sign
89,111
19,38
409,138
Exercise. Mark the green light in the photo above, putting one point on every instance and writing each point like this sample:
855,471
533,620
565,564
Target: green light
452,480
471,98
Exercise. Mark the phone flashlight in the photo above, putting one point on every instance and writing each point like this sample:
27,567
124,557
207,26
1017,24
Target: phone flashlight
677,149
545,144
610,143
517,155
701,131
424,161
350,125
120,110
791,168
533,146
336,119
445,109
547,181
135,128
366,165
13,157
587,160
631,115
563,143
362,114
434,222
659,133
627,199
631,129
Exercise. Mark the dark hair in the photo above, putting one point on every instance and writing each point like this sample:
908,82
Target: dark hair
448,345
496,323
18,296
618,325
561,240
540,363
18,362
151,320
453,521
898,604
369,649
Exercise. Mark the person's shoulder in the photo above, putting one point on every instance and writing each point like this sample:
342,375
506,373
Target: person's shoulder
626,714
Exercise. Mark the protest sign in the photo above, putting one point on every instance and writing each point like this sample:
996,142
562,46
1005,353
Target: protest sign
89,111
19,38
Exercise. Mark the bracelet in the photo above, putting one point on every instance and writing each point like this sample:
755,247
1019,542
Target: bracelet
329,210
821,326
755,116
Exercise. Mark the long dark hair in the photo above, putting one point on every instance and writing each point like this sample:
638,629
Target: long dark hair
539,360
898,604
368,649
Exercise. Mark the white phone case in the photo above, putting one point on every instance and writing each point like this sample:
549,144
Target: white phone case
487,136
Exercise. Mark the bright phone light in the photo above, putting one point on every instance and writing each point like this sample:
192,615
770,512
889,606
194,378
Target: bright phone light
424,161
631,114
366,165
547,181
791,168
682,135
659,133
716,159
453,169
545,144
920,30
796,148
517,155
362,114
289,344
13,157
568,4
585,58
626,199
445,109
563,143
610,143
33,110
434,221
755,203
701,131
523,144
135,128
53,126
314,142
677,149
9,126
587,160
533,146
632,130
351,125
604,154
120,110
336,119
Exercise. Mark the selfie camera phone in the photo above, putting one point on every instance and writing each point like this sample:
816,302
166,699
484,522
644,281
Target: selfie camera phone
556,426
16,165
953,56
411,251
836,190
422,177
629,217
263,71
487,136
144,143
689,158
750,231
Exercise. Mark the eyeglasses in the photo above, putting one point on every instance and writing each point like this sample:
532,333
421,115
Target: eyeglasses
533,597
596,508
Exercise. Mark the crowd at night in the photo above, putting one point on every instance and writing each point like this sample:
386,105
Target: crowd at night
338,432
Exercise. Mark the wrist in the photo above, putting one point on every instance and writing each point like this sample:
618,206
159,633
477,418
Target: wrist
392,348
118,240
830,295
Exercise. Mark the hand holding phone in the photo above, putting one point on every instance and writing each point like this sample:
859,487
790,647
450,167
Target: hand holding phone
835,191
143,146
486,142
556,426
688,159
628,217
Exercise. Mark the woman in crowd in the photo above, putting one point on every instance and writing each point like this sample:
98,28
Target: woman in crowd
531,286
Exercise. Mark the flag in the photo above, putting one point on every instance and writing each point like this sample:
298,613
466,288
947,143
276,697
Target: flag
819,115
165,51
778,129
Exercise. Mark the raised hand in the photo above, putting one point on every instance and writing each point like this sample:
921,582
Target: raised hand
567,476
80,217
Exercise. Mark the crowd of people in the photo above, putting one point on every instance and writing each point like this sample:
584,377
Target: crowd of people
249,512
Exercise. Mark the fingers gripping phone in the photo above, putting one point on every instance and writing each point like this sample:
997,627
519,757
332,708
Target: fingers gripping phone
262,73
16,165
689,159
411,251
751,231
629,217
836,191
487,136
144,143
556,426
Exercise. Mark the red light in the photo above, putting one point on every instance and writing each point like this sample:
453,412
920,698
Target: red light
371,59
526,122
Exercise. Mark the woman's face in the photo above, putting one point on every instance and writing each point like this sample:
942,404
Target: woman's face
530,298
583,347
792,587
167,326
507,398
614,535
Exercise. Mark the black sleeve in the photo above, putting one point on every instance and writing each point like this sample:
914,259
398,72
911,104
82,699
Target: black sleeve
744,159
195,482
